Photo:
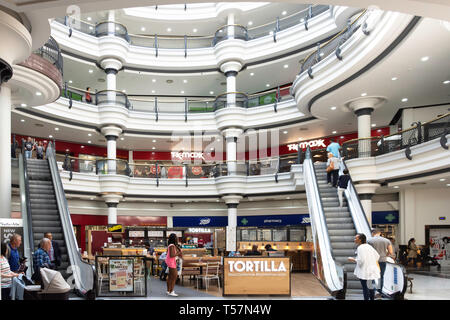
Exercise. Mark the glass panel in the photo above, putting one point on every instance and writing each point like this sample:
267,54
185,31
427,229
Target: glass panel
265,235
280,235
251,235
297,234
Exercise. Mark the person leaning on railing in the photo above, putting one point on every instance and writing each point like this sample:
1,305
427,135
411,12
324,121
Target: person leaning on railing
87,95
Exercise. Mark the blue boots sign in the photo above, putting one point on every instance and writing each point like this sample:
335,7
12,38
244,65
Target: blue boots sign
243,221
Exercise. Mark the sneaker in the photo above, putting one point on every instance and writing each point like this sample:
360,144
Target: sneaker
173,294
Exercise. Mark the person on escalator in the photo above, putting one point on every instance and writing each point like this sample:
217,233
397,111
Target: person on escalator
29,147
332,170
367,268
54,252
342,185
41,259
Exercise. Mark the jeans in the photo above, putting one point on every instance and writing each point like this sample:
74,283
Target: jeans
382,270
340,194
28,154
369,294
335,177
5,293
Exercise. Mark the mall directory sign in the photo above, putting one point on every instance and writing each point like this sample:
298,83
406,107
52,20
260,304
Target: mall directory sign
257,276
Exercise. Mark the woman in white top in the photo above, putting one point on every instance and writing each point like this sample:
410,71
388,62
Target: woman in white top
367,268
6,273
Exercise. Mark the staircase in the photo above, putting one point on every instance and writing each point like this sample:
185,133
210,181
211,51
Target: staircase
341,228
44,210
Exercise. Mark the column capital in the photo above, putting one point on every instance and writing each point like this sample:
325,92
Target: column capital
231,73
232,200
366,188
364,112
232,133
233,65
111,138
6,71
111,64
112,198
111,71
111,131
365,103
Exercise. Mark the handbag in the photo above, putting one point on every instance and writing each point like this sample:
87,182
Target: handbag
330,167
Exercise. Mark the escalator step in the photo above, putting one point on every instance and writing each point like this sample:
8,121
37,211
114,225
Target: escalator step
345,220
343,232
343,245
44,215
344,252
56,236
340,226
340,238
40,223
43,230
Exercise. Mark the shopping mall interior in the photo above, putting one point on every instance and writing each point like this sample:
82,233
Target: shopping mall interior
229,126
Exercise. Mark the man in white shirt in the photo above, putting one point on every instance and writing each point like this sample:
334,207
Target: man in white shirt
367,268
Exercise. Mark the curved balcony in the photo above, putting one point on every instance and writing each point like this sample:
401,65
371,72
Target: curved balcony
231,99
193,42
48,61
234,31
110,28
419,133
108,97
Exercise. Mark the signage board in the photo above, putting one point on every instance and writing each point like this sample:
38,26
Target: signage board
136,233
115,228
385,217
251,276
155,234
8,227
121,275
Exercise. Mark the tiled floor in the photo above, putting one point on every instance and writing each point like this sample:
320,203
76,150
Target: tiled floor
430,284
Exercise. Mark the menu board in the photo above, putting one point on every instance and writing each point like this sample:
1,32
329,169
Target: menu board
121,275
179,234
136,234
156,234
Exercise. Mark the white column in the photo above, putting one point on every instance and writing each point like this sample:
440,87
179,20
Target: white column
231,87
111,67
112,213
364,125
231,155
367,206
112,153
230,22
111,18
5,151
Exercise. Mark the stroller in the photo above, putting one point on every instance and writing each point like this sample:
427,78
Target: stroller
53,287
427,260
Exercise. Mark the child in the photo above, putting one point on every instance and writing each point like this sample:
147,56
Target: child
342,185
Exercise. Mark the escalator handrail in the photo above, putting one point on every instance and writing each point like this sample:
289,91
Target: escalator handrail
351,190
325,252
26,208
69,234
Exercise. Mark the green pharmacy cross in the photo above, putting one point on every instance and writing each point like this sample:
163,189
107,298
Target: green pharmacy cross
389,217
244,221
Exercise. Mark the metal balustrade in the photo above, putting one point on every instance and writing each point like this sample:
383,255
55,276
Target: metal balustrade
112,97
51,52
418,133
187,42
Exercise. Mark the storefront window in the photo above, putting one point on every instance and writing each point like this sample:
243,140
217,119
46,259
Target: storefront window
280,235
265,235
297,234
248,235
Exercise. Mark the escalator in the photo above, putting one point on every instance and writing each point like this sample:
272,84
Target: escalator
46,210
334,229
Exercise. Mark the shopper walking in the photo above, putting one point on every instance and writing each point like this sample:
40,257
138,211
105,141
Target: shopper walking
162,260
332,170
40,150
172,252
367,268
384,248
412,251
342,185
29,147
6,273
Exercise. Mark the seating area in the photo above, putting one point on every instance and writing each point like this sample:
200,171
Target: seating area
203,269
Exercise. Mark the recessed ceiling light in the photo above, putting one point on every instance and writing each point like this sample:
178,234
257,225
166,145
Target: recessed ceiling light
212,149
89,141
82,147
153,148
90,70
22,120
182,92
404,99
91,28
284,13
252,74
70,81
441,179
363,94
153,140
333,108
184,81
374,125
23,104
153,80
50,136
334,132
446,82
153,91
448,184
56,129
218,140
89,134
250,23
286,66
194,30
342,137
38,93
285,132
89,18
267,85
124,90
169,29
143,29
396,187
423,59
122,138
288,198
394,78
155,200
